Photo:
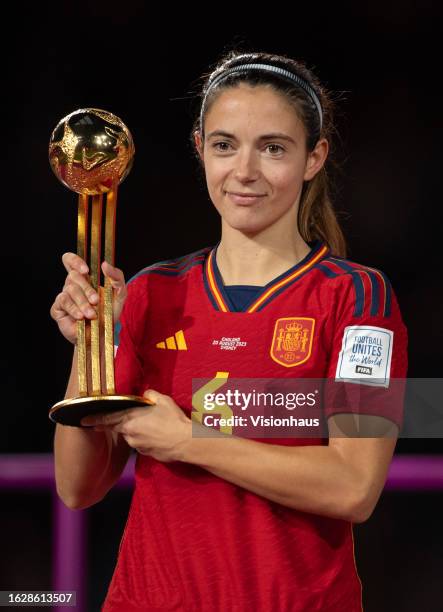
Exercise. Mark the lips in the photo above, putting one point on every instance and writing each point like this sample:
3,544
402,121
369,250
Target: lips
244,198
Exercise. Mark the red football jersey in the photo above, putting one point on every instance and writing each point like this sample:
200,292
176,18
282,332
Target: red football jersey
194,541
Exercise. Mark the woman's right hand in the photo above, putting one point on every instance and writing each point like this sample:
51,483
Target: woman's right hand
78,300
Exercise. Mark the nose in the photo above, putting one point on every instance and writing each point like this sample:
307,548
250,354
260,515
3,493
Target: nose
246,166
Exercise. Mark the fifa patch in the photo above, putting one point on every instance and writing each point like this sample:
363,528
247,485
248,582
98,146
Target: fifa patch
292,340
365,356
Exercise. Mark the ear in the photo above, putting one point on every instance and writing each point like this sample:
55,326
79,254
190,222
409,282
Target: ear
198,143
316,159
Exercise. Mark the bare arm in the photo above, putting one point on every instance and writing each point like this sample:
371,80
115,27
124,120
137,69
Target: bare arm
342,480
87,463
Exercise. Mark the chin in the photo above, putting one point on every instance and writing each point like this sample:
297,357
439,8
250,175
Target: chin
247,227
248,219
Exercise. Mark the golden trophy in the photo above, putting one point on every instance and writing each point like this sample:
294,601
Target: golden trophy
91,151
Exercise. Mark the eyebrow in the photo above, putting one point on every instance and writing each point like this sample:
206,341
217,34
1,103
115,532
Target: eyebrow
279,135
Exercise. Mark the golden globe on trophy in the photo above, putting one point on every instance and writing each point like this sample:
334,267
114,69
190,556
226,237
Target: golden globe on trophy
91,151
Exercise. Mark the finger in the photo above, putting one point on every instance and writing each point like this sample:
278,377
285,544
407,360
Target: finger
105,419
75,278
113,272
130,440
64,306
71,261
80,300
152,396
116,277
121,428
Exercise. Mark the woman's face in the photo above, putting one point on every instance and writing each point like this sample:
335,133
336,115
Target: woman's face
255,145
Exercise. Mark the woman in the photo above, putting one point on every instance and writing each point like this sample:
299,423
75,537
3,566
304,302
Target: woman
227,523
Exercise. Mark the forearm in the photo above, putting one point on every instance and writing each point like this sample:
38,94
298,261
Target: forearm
87,462
308,478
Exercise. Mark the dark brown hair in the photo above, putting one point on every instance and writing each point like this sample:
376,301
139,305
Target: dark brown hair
316,216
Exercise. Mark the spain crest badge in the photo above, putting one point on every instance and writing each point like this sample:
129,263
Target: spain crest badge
292,341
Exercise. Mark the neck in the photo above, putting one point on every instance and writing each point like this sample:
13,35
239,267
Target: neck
245,259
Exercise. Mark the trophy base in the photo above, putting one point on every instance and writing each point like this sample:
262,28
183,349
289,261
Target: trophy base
71,411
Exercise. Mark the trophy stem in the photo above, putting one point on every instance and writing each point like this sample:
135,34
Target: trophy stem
70,411
111,203
96,222
81,325
90,355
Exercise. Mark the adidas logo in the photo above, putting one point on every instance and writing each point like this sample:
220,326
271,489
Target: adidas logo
176,342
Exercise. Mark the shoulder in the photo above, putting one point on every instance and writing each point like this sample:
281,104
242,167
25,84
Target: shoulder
142,291
175,267
334,266
368,288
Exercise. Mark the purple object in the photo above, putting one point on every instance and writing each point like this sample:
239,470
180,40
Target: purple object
415,473
406,473
69,568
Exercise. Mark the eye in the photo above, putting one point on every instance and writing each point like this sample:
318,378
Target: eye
216,146
277,148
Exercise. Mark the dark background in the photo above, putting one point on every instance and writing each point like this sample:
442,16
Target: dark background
384,61
383,65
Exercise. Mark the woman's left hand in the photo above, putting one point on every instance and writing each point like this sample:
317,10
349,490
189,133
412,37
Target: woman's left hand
160,430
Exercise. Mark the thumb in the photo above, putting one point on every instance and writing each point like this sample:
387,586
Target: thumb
114,274
152,396
111,271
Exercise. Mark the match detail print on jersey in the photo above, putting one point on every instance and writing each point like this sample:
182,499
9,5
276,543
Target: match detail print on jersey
365,356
